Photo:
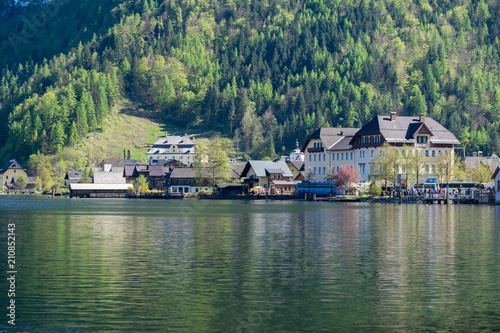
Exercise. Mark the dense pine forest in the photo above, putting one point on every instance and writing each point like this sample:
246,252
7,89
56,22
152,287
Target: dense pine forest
265,72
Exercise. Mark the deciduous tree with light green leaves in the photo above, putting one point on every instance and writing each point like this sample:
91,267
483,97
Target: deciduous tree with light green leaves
386,164
141,184
21,182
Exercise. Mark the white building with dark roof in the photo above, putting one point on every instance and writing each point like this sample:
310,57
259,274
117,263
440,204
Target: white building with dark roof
420,132
326,150
179,148
329,148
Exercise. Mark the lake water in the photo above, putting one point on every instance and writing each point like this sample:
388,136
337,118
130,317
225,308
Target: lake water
230,266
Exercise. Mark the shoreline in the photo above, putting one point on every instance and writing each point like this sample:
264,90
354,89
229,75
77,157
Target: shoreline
386,200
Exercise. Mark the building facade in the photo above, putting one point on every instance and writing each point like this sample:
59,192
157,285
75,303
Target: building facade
262,173
326,150
9,175
179,148
419,133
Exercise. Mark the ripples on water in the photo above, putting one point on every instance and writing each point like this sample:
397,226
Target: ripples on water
212,266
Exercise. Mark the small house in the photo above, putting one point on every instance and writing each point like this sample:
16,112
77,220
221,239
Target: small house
261,173
9,175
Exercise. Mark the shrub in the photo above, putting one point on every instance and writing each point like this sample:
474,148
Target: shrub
374,189
204,192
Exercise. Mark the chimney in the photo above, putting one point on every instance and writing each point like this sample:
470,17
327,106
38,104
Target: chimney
421,118
479,154
393,116
474,154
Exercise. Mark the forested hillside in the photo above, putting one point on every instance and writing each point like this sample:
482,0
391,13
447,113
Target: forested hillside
264,71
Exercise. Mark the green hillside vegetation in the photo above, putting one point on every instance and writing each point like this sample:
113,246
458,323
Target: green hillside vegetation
123,135
264,72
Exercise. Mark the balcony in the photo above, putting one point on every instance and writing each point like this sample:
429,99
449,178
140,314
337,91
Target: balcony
316,150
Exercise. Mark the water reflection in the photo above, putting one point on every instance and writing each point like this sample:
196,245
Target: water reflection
102,265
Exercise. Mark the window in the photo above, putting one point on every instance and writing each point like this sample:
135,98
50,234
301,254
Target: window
315,145
426,153
371,153
324,157
309,158
314,158
324,170
314,170
333,156
351,156
338,156
422,139
342,156
362,168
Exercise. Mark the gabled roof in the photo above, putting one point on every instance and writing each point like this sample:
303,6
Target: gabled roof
330,135
297,164
174,140
11,165
156,171
264,168
72,174
130,171
238,167
403,128
342,144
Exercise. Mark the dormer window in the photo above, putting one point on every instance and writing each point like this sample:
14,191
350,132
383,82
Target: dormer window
422,139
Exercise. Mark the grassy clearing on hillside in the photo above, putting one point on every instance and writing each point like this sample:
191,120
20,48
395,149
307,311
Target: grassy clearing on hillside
122,130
